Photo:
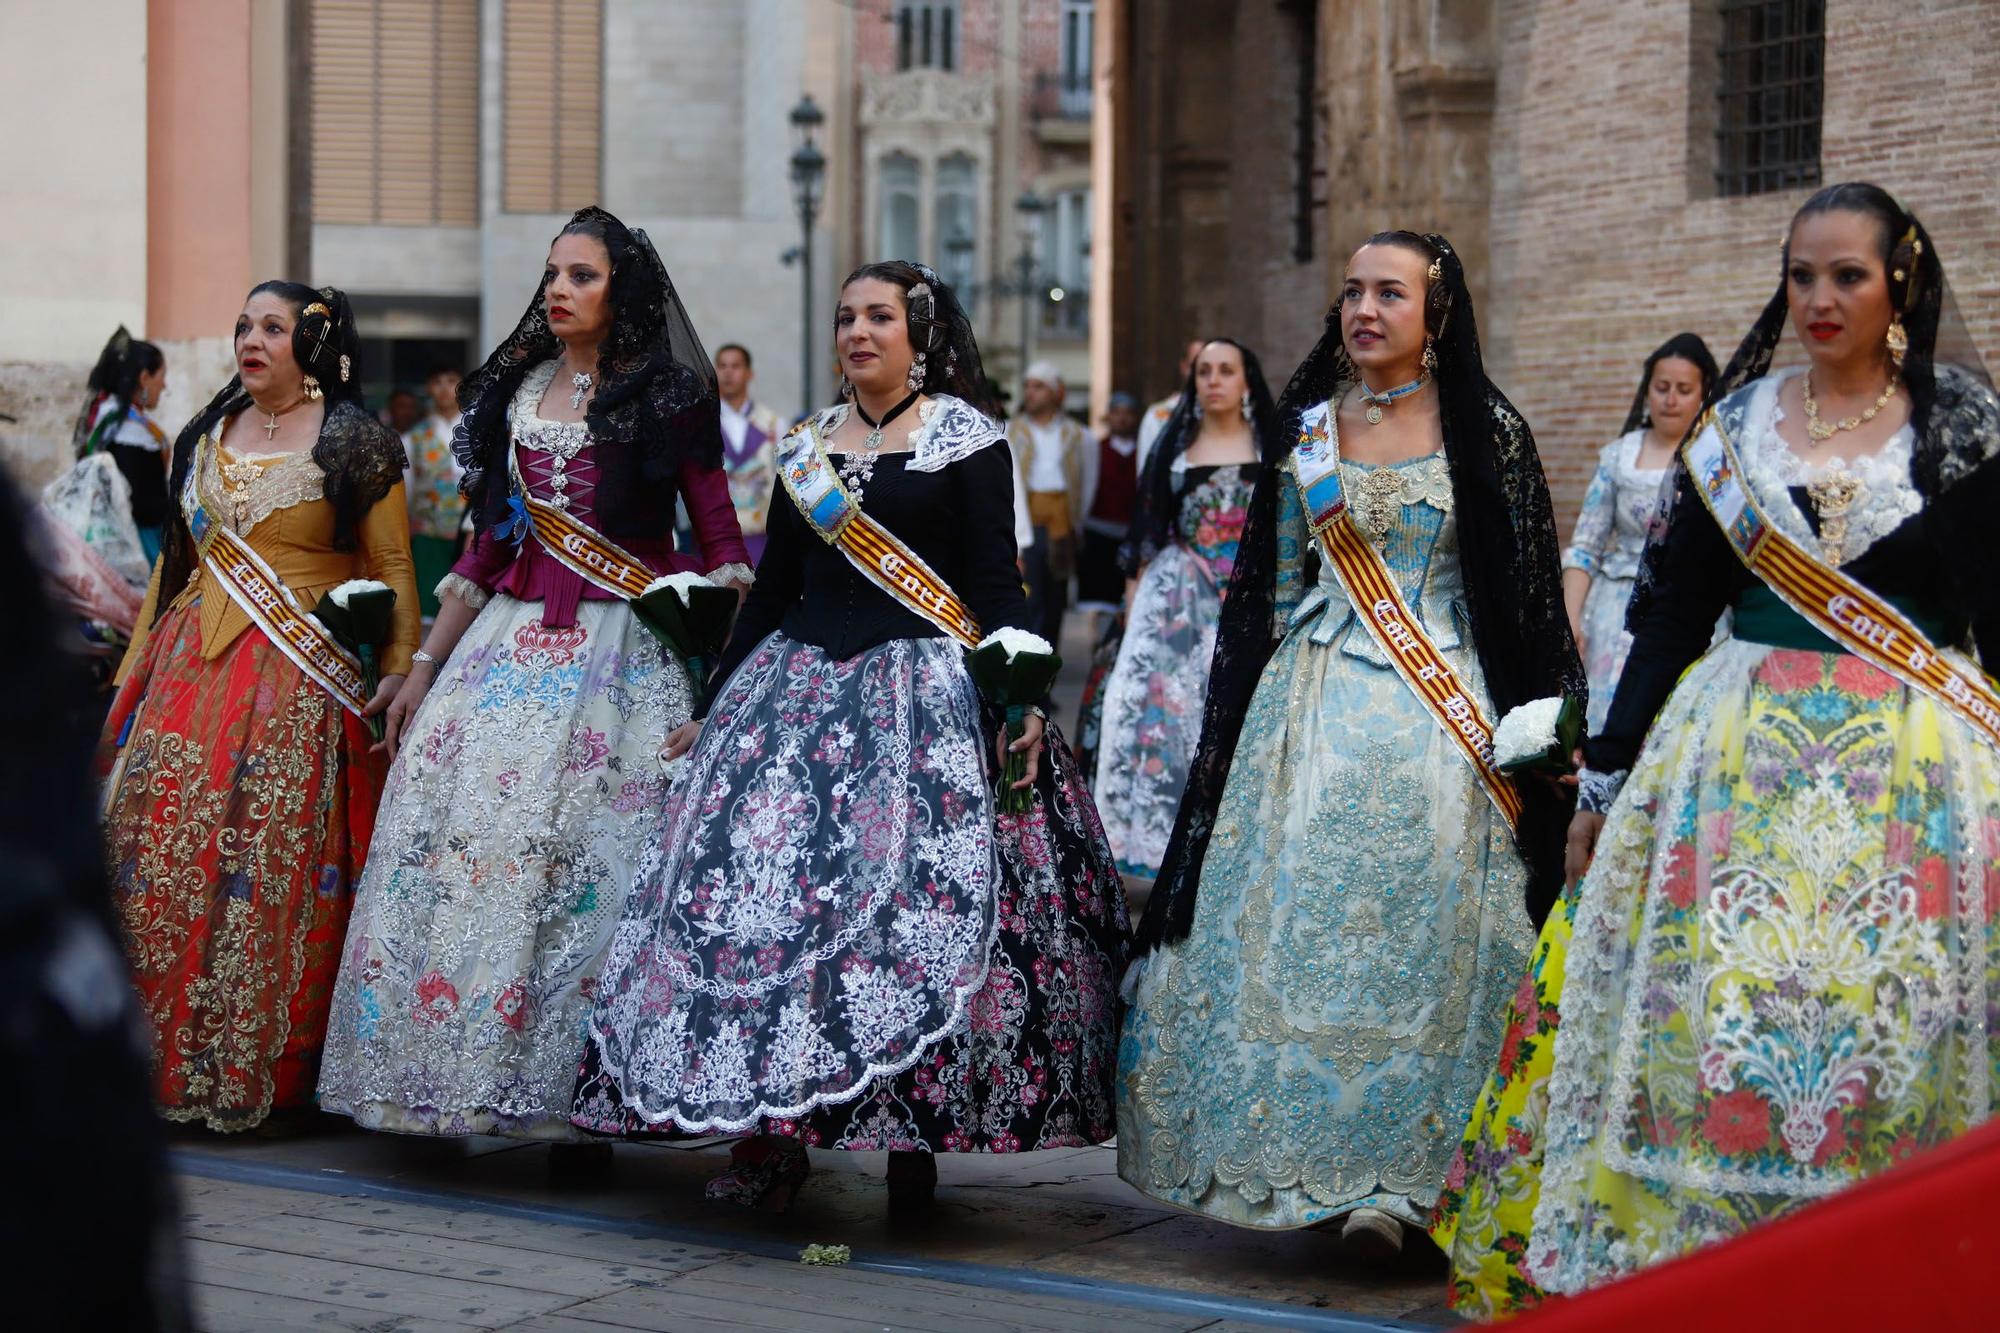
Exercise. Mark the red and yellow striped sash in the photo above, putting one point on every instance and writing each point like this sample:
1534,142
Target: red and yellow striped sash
255,587
879,555
1844,610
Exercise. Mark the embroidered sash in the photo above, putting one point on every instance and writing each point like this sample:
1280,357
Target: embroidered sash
581,548
253,585
878,553
1388,617
1861,622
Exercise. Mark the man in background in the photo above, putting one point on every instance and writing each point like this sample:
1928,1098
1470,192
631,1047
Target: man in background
1054,466
750,434
437,511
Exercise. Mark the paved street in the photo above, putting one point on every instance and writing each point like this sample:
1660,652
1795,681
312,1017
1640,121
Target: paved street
345,1230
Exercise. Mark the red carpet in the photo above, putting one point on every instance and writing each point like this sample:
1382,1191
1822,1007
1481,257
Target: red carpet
1915,1248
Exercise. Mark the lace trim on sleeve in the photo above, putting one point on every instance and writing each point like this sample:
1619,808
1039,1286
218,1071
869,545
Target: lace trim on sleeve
736,570
468,592
1596,792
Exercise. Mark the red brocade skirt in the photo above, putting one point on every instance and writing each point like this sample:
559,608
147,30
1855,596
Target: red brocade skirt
239,803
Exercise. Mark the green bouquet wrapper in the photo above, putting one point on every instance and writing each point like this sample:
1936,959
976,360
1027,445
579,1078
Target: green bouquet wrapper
1014,670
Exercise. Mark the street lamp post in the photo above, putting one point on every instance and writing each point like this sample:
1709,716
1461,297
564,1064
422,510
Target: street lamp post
1029,207
808,180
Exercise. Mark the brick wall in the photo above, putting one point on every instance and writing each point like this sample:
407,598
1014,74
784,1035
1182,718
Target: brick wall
1601,244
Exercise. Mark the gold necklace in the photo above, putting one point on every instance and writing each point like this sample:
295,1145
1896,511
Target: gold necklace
1819,432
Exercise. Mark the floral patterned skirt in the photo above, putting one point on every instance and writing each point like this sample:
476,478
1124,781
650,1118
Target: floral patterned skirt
1489,1196
238,810
1311,1046
1606,641
834,940
1781,979
1152,707
509,836
1034,1065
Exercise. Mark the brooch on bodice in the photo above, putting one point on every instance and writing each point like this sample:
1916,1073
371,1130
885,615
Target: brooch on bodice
1376,500
1833,498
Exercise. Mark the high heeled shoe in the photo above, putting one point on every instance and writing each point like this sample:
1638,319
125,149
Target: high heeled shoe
764,1172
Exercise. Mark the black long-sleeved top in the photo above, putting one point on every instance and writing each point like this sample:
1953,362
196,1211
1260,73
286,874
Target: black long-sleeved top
1937,563
960,519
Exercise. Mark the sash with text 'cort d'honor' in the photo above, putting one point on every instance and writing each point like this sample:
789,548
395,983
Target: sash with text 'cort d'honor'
255,586
879,554
1388,617
581,548
1861,622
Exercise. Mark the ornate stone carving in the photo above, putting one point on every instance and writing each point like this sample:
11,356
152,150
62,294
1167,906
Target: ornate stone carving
926,96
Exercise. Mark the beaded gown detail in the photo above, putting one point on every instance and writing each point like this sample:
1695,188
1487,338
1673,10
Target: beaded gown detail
835,937
510,832
1779,975
1309,1048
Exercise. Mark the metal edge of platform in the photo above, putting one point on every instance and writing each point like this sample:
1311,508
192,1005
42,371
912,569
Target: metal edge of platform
1126,1295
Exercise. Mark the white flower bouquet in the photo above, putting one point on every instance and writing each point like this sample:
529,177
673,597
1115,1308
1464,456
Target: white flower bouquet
1014,669
359,613
1539,736
690,614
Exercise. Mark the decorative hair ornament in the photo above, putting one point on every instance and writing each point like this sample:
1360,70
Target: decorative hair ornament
346,367
319,344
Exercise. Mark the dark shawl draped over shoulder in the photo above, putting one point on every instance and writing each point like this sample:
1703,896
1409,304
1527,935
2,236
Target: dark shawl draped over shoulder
362,458
655,407
1690,570
1510,556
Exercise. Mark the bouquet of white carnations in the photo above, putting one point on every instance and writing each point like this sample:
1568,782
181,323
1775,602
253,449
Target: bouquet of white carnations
1539,736
690,614
359,613
1013,669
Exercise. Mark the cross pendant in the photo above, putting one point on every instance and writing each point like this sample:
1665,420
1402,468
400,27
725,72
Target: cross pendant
271,430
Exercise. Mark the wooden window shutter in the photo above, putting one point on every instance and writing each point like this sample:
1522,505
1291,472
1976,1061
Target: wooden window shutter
395,112
552,105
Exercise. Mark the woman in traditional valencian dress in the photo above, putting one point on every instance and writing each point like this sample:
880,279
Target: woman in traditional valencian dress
241,788
125,385
530,775
1781,972
1178,553
1624,504
837,942
1311,1023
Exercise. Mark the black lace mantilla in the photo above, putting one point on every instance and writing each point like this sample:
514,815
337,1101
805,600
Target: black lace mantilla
1157,509
1510,554
656,387
362,459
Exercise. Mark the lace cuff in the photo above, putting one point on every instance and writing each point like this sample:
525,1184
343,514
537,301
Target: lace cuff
736,570
1596,791
468,592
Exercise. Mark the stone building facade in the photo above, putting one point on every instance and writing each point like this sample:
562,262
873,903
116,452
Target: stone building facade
1568,149
960,107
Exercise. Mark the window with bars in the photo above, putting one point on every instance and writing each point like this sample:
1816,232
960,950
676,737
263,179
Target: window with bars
1771,66
927,35
395,110
552,105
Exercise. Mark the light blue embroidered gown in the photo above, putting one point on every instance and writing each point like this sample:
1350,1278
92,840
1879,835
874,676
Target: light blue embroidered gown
1312,1046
